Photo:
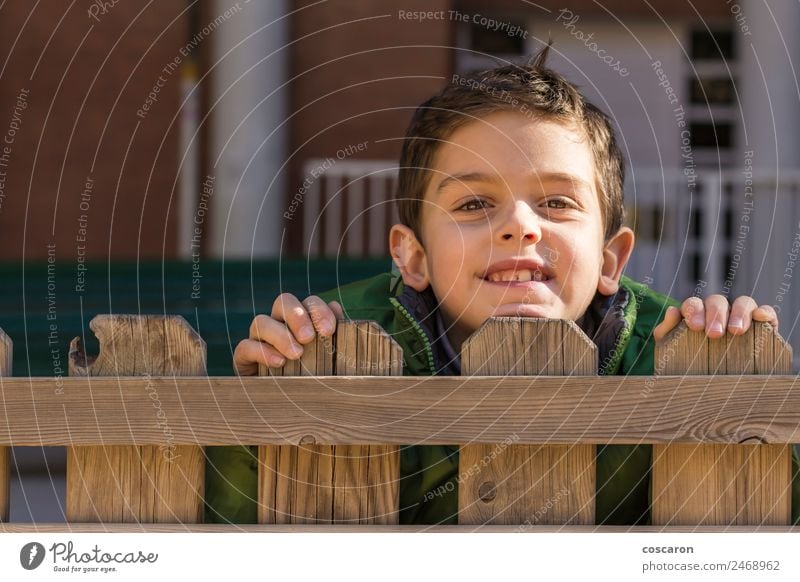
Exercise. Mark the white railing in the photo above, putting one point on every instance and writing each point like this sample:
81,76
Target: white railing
722,232
348,207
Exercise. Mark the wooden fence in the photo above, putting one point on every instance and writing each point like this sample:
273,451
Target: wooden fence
527,414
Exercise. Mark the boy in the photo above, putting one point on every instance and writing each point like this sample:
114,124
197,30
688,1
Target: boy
510,196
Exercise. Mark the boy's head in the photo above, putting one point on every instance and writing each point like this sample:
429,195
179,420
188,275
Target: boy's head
510,174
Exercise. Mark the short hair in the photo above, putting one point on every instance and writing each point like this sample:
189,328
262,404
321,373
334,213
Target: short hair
547,94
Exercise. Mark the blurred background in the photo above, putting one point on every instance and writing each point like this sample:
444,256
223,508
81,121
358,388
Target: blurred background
201,157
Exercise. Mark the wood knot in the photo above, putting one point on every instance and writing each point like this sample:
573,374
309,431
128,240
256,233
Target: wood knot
487,491
308,440
753,440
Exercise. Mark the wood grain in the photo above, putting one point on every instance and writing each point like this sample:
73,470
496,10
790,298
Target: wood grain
28,528
508,483
119,484
723,484
405,409
340,483
6,352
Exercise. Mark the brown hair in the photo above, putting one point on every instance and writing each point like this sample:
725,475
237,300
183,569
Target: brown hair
544,92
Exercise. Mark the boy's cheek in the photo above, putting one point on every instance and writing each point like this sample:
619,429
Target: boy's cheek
552,256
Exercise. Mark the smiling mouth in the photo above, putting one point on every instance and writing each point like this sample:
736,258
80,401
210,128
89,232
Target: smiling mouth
521,275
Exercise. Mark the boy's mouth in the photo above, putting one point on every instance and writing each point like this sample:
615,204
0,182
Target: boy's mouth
516,270
522,275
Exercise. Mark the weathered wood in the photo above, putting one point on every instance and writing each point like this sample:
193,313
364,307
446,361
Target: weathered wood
28,528
310,483
401,410
716,484
527,484
6,350
151,484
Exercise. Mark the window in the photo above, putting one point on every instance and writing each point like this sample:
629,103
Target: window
697,224
712,117
495,42
711,135
715,45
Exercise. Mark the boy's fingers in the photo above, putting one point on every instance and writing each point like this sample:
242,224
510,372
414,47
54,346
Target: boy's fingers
250,353
337,309
716,308
275,333
672,317
287,308
322,317
741,314
766,314
242,365
693,312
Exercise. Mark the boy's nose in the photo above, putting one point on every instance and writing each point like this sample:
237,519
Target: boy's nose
528,236
523,225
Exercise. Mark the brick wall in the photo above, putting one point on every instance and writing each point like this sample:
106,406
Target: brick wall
358,73
85,82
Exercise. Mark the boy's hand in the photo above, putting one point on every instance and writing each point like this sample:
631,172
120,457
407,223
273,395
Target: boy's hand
275,338
712,316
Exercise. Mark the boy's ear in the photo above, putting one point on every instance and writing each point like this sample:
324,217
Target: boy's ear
409,255
616,253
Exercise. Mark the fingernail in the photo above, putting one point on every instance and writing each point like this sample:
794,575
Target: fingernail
716,327
276,361
325,327
306,332
736,322
698,319
296,351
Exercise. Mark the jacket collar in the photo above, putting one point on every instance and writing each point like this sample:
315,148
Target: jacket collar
608,322
424,307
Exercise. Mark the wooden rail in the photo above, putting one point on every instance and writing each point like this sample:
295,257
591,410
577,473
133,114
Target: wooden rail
401,410
329,443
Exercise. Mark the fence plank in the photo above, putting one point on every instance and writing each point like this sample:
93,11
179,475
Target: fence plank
722,484
149,484
6,350
310,483
527,484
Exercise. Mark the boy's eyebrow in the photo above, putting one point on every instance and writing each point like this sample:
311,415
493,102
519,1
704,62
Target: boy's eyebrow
493,178
564,177
468,177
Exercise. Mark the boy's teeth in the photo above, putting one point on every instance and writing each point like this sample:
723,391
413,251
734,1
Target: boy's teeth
524,275
521,275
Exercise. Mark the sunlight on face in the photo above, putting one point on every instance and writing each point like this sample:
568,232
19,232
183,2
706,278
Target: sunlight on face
511,222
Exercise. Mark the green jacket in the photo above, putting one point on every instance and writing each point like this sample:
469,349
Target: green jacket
428,487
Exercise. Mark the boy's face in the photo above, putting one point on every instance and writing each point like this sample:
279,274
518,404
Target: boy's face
511,225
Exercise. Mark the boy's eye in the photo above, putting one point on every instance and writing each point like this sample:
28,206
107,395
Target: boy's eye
474,204
556,203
